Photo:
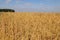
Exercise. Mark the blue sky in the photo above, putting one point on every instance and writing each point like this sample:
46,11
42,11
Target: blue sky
31,5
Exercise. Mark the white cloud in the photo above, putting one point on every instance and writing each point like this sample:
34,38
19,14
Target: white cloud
23,5
8,1
28,4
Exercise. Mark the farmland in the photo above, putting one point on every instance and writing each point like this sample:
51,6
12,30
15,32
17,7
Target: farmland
29,26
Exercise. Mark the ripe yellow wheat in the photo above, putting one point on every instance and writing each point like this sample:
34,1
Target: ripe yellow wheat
29,26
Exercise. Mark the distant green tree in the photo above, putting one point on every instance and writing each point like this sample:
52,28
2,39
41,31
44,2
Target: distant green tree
7,10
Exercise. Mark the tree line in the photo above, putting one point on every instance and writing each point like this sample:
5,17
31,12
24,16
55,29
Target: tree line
7,10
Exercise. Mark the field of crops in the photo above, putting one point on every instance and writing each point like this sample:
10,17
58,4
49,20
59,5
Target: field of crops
29,26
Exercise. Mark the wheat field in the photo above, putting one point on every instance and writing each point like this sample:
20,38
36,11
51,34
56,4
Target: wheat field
29,26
